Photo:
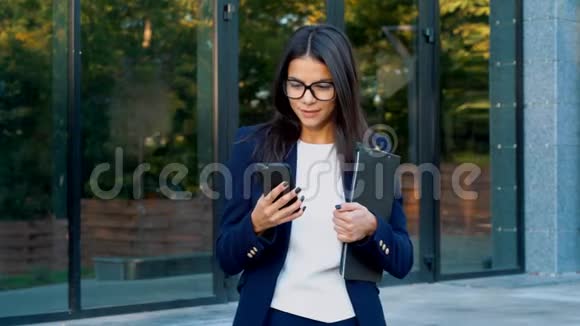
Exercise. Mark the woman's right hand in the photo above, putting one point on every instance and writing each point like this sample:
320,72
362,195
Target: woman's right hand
267,212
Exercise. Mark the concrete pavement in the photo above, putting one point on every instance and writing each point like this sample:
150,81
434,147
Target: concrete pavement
506,300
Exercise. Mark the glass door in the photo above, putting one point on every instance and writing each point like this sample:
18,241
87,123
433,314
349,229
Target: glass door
478,214
392,52
388,47
438,78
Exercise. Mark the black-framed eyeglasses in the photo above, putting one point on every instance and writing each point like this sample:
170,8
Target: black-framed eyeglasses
321,90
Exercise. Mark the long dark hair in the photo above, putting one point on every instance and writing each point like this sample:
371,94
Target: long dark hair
330,46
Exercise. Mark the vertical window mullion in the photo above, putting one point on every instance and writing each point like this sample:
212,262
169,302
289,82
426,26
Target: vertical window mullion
74,156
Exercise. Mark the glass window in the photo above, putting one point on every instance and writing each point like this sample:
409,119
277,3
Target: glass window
265,27
383,36
147,116
478,136
33,111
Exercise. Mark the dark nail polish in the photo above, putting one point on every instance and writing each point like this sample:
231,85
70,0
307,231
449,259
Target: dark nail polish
337,206
303,208
302,198
298,189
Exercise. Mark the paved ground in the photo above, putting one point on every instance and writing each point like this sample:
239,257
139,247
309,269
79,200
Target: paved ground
96,294
508,300
460,253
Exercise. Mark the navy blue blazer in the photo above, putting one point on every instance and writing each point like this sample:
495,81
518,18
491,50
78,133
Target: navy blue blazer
260,258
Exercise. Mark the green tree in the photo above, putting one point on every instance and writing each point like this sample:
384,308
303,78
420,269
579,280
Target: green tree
465,36
265,27
25,115
139,91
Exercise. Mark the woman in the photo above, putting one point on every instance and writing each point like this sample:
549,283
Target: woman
290,256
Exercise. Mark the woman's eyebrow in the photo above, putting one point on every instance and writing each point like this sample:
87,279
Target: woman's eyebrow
325,80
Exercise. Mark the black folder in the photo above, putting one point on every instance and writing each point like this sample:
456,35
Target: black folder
373,186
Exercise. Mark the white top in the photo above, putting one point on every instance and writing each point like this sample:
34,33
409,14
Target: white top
309,284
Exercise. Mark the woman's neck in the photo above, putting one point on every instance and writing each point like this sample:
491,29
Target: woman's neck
324,135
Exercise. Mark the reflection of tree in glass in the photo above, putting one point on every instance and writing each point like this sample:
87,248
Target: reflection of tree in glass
139,80
25,114
382,33
464,77
265,26
140,66
464,66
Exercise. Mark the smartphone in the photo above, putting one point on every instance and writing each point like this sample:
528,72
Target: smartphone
270,175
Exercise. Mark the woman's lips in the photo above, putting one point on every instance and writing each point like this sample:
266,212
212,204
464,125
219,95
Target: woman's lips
309,113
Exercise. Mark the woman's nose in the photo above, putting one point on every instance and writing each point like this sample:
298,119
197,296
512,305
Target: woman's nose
308,97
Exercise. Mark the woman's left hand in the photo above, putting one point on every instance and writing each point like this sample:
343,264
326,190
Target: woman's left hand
353,222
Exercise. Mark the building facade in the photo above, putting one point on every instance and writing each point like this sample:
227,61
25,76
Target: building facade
114,115
552,136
